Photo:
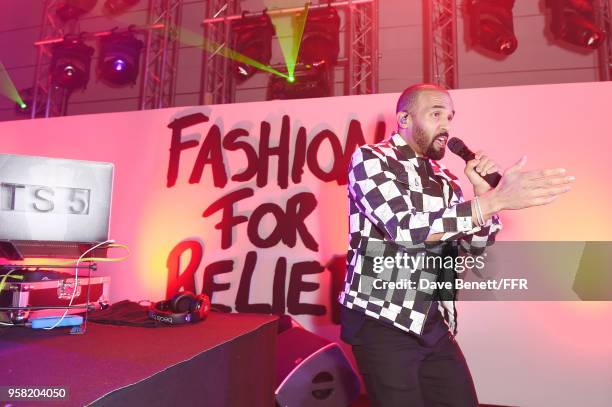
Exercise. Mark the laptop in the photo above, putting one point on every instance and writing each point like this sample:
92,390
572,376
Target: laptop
52,207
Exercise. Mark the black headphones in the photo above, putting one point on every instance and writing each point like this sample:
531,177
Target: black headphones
182,308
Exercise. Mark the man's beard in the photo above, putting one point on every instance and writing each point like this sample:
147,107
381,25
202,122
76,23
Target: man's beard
430,151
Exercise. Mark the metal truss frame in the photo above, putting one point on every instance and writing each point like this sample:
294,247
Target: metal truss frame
55,100
158,80
361,48
604,53
360,61
217,86
440,63
158,83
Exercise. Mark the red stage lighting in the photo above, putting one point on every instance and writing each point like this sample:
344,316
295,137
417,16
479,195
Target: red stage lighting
491,25
70,64
73,9
115,7
573,21
252,37
119,58
313,82
321,39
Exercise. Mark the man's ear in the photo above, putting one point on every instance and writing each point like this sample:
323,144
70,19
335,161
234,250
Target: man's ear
403,119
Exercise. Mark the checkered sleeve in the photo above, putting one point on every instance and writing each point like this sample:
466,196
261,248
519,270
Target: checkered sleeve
388,203
476,240
475,243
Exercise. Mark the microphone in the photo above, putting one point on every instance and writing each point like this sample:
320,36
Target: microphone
458,147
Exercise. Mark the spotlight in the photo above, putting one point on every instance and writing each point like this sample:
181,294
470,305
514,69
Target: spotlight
491,25
23,108
118,65
115,7
573,21
311,82
70,64
27,96
321,39
252,38
119,58
73,9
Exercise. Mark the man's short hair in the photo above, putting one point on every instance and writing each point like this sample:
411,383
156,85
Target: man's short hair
408,99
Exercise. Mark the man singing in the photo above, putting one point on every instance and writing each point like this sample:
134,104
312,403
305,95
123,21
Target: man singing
399,195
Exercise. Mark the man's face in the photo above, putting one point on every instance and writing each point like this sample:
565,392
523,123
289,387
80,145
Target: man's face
431,122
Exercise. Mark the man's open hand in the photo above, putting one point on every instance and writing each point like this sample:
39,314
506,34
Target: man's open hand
517,190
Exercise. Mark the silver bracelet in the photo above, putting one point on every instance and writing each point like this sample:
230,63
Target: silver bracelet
479,215
482,219
476,210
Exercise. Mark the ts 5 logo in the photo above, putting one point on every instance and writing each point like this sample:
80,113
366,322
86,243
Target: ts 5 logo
44,199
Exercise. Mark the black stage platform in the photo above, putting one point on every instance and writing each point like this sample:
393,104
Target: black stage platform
227,360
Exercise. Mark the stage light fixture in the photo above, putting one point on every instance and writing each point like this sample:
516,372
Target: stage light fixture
73,9
573,21
70,64
491,25
321,38
115,7
27,97
312,82
252,37
119,58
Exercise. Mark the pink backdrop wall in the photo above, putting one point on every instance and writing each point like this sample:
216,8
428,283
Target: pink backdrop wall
565,345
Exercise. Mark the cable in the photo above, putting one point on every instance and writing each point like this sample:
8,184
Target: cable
7,275
100,259
76,279
96,259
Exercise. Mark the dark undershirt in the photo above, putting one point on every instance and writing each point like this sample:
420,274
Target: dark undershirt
435,327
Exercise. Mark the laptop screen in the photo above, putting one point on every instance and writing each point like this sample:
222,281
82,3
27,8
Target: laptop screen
54,200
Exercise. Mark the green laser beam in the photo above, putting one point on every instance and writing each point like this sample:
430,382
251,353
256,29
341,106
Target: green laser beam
289,31
7,87
194,39
297,39
212,47
188,37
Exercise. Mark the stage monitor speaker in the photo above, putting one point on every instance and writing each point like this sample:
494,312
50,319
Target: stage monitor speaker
313,372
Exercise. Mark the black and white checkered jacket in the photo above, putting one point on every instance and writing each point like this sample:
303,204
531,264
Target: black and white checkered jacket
396,198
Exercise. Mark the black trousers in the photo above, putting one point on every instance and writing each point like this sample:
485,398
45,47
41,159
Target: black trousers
399,371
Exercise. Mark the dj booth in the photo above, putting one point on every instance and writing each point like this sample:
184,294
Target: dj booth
227,360
60,208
